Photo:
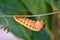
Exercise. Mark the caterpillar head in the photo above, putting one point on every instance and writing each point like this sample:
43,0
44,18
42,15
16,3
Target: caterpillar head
41,24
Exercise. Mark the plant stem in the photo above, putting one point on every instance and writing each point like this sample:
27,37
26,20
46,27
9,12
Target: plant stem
45,14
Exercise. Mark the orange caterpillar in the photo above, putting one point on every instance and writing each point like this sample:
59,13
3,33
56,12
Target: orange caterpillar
33,25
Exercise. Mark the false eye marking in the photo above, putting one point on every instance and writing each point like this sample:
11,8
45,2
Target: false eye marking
33,25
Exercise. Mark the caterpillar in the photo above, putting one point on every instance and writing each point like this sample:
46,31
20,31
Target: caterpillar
30,24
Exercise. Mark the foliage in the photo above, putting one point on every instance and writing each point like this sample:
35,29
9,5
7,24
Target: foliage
26,7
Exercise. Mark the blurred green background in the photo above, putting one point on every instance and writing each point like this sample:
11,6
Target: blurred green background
32,7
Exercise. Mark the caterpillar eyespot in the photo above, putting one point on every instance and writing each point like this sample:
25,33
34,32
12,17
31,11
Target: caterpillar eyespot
33,25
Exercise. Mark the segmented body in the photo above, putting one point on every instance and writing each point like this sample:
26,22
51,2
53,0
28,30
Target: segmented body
33,25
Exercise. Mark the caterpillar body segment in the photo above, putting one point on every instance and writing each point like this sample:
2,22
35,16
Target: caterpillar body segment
33,25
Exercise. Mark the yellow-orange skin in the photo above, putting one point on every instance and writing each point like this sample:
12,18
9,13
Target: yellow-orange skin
33,25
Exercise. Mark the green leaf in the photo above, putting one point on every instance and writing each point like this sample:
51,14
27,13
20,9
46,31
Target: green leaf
58,4
13,27
41,35
34,6
12,7
18,29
